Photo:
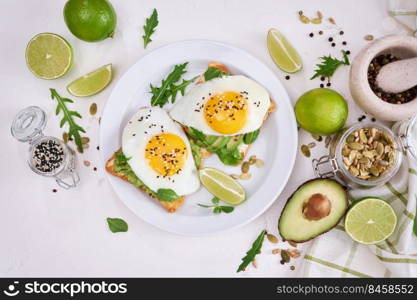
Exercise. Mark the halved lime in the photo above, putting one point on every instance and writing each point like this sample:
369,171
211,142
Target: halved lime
370,221
222,186
282,52
49,55
91,83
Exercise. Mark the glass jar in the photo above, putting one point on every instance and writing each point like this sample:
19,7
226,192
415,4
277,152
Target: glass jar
332,165
48,156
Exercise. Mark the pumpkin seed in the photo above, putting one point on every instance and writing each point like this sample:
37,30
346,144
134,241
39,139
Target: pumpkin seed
331,21
87,163
355,146
65,137
305,150
304,19
245,176
317,137
252,159
374,171
272,238
93,109
235,176
245,167
293,244
311,145
368,37
363,137
276,251
354,171
85,140
350,138
260,163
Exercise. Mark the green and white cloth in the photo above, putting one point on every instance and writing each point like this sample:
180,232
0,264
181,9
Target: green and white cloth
335,254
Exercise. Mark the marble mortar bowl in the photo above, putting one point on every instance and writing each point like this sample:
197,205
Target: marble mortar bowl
400,46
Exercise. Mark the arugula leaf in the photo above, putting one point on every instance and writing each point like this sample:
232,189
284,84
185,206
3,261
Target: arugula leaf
68,117
229,157
167,195
329,65
250,137
117,225
218,208
168,89
149,27
213,73
253,251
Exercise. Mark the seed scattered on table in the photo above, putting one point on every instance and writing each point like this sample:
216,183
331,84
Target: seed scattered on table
87,163
305,150
93,109
368,37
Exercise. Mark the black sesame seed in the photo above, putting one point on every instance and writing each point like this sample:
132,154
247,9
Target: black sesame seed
328,84
320,32
333,44
344,43
347,52
98,147
54,190
373,119
322,78
287,77
311,34
341,32
330,39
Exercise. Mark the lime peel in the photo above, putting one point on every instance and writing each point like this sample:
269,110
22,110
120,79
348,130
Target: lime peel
91,83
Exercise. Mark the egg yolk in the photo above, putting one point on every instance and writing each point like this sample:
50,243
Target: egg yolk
226,113
166,154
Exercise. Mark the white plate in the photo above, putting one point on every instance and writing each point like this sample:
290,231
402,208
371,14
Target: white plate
276,144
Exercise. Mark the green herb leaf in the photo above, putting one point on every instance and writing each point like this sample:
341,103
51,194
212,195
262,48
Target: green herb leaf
253,251
168,89
117,225
213,73
149,27
227,209
250,137
205,206
215,200
74,128
217,210
229,157
167,195
329,65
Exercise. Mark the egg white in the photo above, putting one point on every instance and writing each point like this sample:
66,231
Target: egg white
186,110
138,131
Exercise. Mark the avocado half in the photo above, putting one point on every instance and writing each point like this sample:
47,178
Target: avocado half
313,209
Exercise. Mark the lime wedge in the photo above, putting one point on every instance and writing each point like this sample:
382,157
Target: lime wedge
91,83
49,56
222,186
370,221
282,53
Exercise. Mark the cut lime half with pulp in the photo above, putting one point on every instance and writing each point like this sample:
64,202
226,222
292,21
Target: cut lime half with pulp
49,56
91,83
222,186
370,221
282,52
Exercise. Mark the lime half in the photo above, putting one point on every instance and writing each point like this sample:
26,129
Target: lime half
222,186
282,52
49,56
91,83
370,221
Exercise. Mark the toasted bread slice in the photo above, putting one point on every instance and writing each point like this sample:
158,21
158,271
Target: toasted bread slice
223,68
169,206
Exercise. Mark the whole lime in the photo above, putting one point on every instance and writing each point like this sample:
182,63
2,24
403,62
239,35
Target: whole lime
321,111
90,20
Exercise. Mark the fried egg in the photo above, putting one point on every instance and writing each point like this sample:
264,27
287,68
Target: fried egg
159,152
229,105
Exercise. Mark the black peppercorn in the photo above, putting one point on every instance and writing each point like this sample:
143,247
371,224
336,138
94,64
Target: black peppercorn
321,85
330,39
344,43
320,32
287,77
341,32
311,34
328,84
333,44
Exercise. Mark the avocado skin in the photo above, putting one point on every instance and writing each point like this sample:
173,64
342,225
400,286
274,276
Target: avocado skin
292,195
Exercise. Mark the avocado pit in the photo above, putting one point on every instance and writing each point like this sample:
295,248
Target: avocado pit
317,207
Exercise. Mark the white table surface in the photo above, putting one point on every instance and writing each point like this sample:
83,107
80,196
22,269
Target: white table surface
65,233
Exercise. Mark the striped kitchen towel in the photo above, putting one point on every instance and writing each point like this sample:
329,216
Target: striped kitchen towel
335,254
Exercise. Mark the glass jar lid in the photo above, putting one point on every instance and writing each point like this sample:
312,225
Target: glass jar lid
28,124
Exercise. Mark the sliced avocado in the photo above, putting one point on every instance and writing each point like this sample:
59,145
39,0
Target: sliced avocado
234,142
210,139
220,142
313,209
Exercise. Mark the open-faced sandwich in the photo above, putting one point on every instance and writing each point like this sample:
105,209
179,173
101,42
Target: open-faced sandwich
156,157
222,114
